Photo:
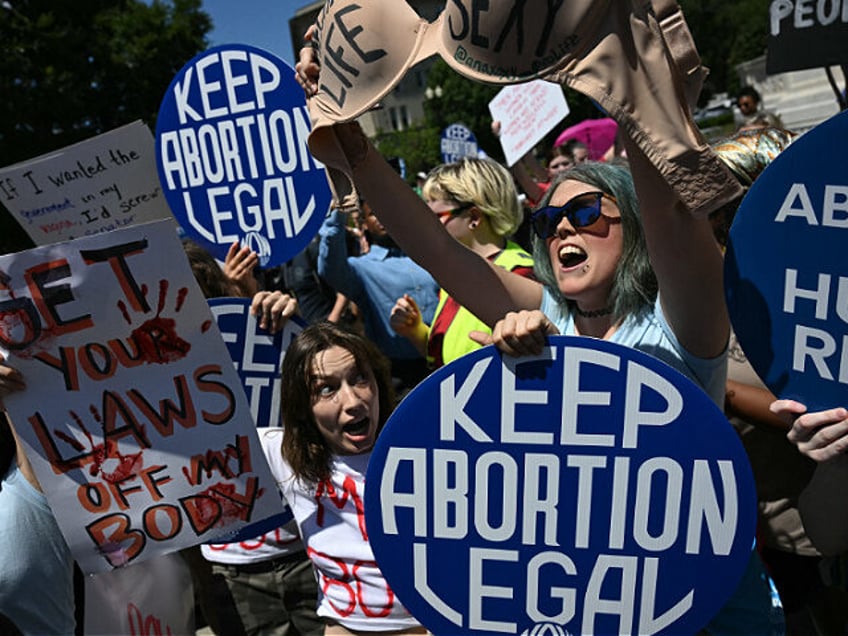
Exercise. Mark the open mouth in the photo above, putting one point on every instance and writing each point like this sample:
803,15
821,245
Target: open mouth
358,429
571,256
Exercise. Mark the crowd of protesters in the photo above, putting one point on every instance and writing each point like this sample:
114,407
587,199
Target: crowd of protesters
419,276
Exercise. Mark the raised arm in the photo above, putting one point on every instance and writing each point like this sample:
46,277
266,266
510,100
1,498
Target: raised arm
486,290
686,259
333,265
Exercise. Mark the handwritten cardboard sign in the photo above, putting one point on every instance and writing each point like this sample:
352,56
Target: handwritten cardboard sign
589,490
133,416
527,112
786,279
98,185
231,148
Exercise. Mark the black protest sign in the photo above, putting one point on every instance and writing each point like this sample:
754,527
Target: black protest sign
806,34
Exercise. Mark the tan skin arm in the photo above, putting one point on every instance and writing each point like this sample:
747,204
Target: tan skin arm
339,306
486,290
405,320
686,260
525,171
525,181
751,403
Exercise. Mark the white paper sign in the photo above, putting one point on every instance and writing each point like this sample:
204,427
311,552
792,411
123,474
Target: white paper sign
527,112
98,185
133,417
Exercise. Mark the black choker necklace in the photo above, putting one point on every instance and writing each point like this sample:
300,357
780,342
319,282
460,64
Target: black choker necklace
597,313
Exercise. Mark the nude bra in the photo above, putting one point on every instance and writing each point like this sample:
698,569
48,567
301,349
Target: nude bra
637,60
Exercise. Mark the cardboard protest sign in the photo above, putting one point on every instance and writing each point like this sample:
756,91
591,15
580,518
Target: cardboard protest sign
804,34
257,355
786,279
527,112
98,185
232,156
134,417
591,489
457,142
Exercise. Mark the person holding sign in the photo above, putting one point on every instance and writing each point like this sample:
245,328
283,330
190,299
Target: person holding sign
264,583
651,281
780,472
336,396
476,201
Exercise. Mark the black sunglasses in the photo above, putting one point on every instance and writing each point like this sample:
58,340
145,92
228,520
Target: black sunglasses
581,211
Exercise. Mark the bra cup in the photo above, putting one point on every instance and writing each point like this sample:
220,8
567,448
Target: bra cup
635,59
364,49
634,74
513,42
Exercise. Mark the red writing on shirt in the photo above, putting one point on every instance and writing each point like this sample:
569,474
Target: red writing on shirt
349,492
273,538
348,581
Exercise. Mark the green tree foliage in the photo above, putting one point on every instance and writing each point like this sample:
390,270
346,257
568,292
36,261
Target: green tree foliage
461,100
72,70
418,146
726,34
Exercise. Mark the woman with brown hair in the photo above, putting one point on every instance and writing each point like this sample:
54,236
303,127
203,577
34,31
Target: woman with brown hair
336,395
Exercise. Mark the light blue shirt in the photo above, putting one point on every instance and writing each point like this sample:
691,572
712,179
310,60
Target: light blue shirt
651,334
36,576
374,281
749,610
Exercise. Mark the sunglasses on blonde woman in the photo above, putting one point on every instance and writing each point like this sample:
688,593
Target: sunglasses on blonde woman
581,211
454,211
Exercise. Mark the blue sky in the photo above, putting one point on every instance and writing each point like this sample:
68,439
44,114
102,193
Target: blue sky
261,23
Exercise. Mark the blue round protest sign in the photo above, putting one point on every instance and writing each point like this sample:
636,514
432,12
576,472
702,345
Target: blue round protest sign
458,142
232,155
257,354
592,489
786,278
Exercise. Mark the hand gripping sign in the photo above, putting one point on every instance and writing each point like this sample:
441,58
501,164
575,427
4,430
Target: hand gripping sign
232,156
786,276
257,355
591,489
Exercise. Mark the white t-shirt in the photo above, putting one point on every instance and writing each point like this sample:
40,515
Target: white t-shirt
331,518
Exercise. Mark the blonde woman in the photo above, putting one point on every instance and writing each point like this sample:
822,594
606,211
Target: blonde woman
476,202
